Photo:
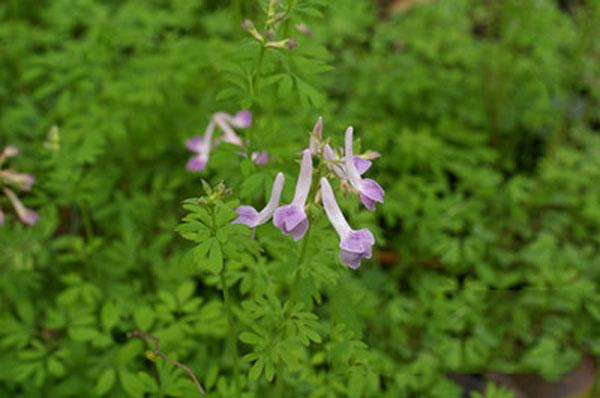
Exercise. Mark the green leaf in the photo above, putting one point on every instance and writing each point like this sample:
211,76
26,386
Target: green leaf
256,370
215,258
105,382
131,384
110,315
143,317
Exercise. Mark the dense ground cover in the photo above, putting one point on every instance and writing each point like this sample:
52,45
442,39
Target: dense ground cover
487,245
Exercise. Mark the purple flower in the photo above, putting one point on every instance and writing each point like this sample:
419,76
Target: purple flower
23,181
362,165
334,162
368,190
27,216
252,218
242,119
224,121
363,162
354,245
337,166
261,157
292,219
202,147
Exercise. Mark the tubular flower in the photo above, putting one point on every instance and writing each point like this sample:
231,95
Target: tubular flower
27,216
261,157
20,181
23,181
252,218
292,219
354,245
368,190
336,165
202,147
226,122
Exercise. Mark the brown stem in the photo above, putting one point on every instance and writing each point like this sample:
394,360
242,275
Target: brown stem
156,351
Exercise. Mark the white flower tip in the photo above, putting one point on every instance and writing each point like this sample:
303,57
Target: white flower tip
278,186
279,178
306,156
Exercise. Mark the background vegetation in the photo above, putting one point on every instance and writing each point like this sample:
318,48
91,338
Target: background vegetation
487,116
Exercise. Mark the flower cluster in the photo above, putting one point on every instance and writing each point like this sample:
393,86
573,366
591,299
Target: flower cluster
202,146
9,178
292,218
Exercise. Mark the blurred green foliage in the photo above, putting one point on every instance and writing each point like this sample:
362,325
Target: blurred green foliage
487,115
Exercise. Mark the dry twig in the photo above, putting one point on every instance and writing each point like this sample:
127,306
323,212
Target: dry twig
156,351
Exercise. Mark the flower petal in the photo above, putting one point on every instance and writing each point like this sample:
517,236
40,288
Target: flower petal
356,246
352,260
288,217
27,216
194,144
359,241
362,165
247,216
242,119
299,230
196,163
304,179
372,190
260,158
333,211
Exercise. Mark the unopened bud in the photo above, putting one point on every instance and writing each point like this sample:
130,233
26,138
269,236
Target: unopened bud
289,44
249,27
316,137
304,29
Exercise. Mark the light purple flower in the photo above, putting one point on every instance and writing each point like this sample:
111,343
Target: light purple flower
202,147
334,162
22,180
27,216
224,121
292,219
242,119
363,162
252,218
354,245
368,190
362,165
260,158
337,166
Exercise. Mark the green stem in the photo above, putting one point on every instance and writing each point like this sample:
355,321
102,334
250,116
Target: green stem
259,62
87,225
301,259
232,334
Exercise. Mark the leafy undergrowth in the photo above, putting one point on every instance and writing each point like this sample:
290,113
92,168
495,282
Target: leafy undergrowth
487,246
